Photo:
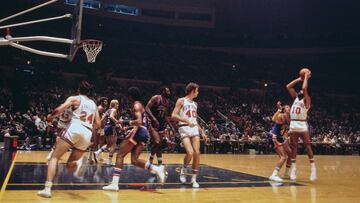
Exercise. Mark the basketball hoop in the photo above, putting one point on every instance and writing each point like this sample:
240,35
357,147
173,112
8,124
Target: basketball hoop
92,48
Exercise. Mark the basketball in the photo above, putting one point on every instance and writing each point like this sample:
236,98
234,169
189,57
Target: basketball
303,71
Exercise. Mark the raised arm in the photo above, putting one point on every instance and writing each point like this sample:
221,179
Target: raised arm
278,114
307,98
290,87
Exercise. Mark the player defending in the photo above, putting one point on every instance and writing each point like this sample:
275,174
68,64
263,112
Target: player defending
77,135
298,124
110,117
185,112
278,135
157,109
134,142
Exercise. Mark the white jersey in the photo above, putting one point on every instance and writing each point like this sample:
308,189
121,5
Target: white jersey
189,112
65,118
298,115
85,113
298,110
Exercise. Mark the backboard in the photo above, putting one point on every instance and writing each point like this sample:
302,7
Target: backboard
76,28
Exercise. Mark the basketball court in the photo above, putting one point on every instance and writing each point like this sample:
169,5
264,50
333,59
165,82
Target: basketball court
231,178
222,178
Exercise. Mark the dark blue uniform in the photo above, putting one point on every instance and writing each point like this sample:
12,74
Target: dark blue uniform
109,127
277,131
160,112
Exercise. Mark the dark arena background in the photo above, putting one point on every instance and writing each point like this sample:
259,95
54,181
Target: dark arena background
243,54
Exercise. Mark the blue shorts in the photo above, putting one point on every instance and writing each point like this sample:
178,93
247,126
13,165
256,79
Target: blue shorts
108,130
279,138
138,135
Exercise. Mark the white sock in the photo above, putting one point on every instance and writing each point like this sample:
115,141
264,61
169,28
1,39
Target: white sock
115,180
293,165
48,185
98,151
152,168
193,178
312,165
183,169
275,172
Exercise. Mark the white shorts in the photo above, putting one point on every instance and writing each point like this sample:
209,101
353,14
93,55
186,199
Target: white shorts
78,136
187,131
298,126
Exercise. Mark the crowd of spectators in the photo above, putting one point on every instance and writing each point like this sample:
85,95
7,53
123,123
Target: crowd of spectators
235,120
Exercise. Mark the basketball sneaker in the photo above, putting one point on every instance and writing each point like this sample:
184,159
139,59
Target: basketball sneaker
161,173
313,176
275,178
44,193
111,187
182,175
81,166
293,174
194,183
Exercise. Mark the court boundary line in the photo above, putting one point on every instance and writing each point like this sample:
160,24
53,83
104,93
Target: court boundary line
7,178
217,183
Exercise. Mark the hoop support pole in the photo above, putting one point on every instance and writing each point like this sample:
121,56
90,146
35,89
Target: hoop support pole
28,10
36,21
35,51
40,38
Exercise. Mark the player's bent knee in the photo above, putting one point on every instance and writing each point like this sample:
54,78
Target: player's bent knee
190,153
71,166
284,157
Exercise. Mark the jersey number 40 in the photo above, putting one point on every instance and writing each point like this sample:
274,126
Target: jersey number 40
190,114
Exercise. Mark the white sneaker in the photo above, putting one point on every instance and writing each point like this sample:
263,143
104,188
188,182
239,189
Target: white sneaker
287,173
161,174
293,174
97,156
313,176
276,178
194,183
44,193
111,187
81,166
182,175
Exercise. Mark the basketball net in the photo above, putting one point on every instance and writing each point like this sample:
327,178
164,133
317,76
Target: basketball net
91,48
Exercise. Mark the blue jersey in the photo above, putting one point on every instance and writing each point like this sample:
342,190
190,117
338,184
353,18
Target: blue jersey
108,121
109,128
277,131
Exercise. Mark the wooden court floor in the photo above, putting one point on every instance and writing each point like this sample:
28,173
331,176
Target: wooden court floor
246,181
